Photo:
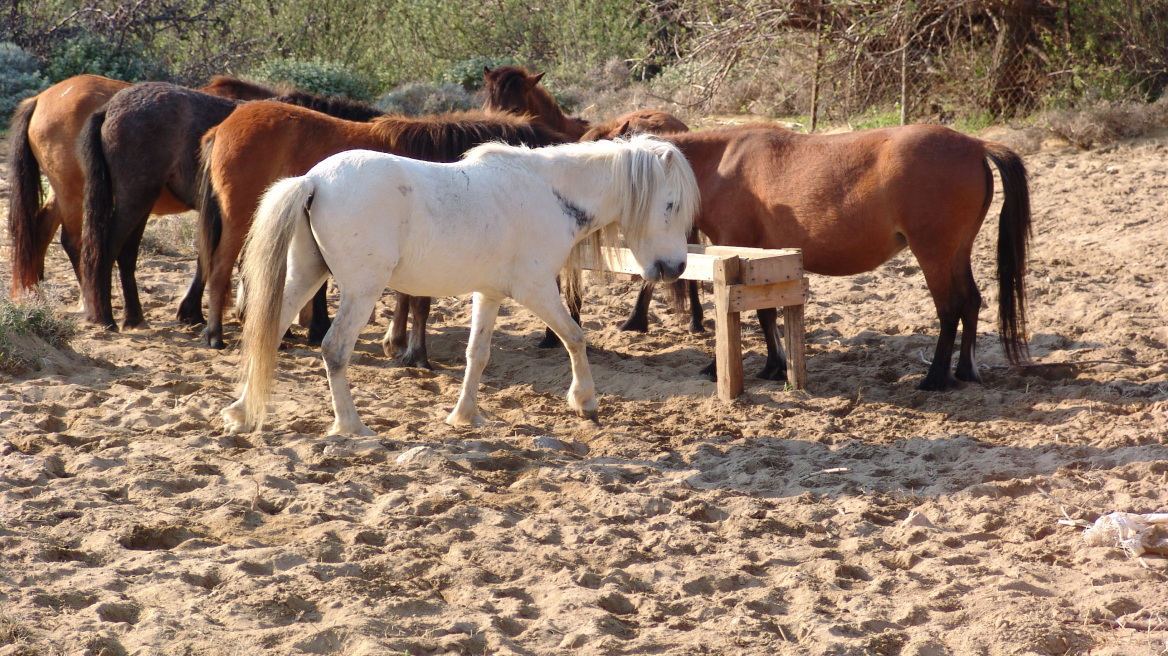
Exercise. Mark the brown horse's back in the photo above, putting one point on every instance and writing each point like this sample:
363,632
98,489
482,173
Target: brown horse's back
848,200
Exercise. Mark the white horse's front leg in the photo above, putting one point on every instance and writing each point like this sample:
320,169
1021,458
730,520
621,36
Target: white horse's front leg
545,304
484,311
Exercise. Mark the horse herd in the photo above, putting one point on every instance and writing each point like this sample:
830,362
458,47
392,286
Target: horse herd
439,205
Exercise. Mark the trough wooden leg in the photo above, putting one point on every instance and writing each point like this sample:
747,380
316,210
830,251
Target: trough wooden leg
796,361
727,330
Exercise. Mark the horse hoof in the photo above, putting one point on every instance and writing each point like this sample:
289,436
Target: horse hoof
550,340
111,327
697,329
928,385
413,359
641,326
778,374
216,343
190,319
591,415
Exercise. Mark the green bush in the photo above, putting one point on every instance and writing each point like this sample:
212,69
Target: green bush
468,73
326,78
416,99
37,319
90,53
19,79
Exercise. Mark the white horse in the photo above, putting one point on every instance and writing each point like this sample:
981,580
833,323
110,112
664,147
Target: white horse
500,223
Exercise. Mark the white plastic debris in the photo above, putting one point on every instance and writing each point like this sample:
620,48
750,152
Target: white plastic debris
1130,531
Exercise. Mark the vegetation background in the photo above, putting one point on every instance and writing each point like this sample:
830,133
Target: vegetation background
867,62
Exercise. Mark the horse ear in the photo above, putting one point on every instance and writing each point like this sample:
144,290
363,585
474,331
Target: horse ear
486,70
534,80
624,129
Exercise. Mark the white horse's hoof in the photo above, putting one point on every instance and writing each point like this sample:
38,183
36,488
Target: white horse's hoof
461,419
234,420
361,430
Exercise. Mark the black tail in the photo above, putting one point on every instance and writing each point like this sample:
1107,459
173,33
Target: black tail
210,214
1014,232
26,199
99,207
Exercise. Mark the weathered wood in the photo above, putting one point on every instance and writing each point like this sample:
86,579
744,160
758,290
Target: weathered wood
796,348
744,279
742,298
727,330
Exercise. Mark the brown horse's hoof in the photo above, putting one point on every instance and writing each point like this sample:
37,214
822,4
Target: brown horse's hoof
942,385
638,324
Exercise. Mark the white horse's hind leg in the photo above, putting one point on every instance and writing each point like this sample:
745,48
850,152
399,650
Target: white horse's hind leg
337,347
478,350
306,273
545,304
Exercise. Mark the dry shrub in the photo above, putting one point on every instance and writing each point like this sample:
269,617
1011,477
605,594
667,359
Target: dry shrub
1107,123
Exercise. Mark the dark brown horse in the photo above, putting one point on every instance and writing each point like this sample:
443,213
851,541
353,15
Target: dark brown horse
292,141
143,145
43,135
851,201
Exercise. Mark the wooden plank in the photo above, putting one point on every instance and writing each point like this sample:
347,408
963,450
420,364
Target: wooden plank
795,346
758,270
772,269
727,330
741,298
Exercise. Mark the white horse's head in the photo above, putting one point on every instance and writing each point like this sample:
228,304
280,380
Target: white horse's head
664,200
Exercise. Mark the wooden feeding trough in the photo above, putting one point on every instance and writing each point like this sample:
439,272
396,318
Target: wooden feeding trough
744,279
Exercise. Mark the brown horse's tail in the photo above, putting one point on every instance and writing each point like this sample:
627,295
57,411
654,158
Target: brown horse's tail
25,202
99,207
1013,241
210,214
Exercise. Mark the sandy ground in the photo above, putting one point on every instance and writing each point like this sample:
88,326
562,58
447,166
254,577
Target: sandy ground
860,516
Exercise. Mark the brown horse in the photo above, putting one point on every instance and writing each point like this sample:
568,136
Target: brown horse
144,144
43,135
851,201
292,141
512,90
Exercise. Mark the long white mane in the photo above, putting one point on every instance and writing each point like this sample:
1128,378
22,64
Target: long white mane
639,166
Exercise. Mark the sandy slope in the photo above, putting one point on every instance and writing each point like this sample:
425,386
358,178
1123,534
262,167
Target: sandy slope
781,524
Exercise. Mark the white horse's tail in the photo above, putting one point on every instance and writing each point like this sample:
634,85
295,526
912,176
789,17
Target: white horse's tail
263,273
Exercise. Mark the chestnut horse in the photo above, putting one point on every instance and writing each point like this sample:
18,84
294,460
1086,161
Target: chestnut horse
293,140
43,134
511,89
851,201
143,144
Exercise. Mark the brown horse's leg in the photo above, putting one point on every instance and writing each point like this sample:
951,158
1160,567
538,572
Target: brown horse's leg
639,319
318,324
127,269
573,301
222,260
695,308
966,366
395,339
415,354
190,309
776,362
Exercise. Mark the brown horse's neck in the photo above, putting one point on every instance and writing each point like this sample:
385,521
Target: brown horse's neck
236,89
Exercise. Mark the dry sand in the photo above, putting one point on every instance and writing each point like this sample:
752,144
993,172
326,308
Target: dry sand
860,516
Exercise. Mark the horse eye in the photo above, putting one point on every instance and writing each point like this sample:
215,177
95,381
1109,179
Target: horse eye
669,207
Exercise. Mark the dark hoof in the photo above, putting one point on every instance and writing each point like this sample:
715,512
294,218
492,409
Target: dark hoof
111,327
550,340
928,385
774,373
697,328
971,376
190,319
417,360
216,342
314,338
635,324
592,416
135,325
